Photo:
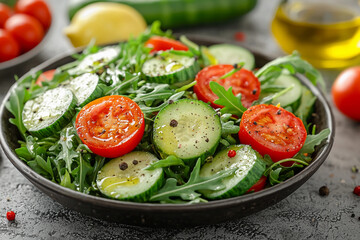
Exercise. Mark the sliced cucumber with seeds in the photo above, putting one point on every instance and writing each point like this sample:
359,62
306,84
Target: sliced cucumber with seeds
188,129
170,69
232,54
86,88
293,97
250,168
49,112
125,178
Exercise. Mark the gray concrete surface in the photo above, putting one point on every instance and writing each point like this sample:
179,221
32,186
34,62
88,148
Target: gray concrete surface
303,215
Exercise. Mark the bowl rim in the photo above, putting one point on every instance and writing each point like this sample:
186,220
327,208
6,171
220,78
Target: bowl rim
90,199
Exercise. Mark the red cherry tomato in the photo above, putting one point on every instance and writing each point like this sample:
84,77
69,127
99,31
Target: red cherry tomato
111,126
45,77
9,48
36,8
5,13
162,44
346,92
272,130
243,81
259,185
26,29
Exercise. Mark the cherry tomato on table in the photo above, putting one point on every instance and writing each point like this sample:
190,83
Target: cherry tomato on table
243,81
5,13
26,29
272,130
36,8
45,77
111,126
9,48
346,92
163,44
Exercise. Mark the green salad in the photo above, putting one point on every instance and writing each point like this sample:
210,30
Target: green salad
161,120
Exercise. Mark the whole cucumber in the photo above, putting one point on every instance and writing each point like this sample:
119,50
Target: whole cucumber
179,13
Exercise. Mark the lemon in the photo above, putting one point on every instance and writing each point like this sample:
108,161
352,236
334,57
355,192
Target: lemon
104,22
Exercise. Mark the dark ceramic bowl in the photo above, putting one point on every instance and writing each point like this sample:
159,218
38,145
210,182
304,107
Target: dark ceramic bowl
159,215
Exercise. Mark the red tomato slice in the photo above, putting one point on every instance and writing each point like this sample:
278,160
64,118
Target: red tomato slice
45,77
272,130
243,81
111,126
259,185
162,44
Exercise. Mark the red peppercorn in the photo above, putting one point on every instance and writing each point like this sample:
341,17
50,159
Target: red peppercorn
231,153
239,36
10,215
357,190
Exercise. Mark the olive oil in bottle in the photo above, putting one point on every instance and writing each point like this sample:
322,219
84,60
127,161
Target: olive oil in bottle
324,33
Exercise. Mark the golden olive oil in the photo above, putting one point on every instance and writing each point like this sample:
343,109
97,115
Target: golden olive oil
326,35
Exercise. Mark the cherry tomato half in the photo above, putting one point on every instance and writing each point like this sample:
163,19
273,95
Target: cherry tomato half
36,8
243,81
111,126
259,185
272,130
9,48
163,44
5,13
346,92
45,77
26,29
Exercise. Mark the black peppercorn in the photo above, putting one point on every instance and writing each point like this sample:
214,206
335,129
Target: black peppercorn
352,215
123,166
173,123
324,191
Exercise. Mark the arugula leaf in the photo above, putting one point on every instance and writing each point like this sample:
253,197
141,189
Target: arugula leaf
15,105
167,162
312,141
294,64
187,191
67,142
278,173
46,165
228,126
232,104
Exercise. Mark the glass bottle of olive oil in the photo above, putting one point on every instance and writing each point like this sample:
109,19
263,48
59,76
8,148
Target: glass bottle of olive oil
326,33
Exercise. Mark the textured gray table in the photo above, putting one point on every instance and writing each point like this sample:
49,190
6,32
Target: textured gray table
303,215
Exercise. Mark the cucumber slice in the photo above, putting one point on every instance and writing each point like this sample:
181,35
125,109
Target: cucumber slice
170,69
49,112
188,129
85,87
124,178
232,54
306,105
92,61
293,97
250,168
